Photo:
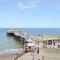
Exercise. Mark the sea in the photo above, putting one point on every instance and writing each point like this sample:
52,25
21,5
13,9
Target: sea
8,42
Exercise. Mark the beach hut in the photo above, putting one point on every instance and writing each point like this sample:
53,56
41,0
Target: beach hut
48,41
29,47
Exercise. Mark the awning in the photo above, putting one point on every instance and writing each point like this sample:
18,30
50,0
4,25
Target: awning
29,41
30,44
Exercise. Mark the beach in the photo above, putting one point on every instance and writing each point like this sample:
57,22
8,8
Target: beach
13,48
11,54
7,56
44,54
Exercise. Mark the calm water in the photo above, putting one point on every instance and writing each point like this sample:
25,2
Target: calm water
7,42
44,31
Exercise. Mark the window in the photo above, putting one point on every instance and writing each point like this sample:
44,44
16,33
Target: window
49,42
45,42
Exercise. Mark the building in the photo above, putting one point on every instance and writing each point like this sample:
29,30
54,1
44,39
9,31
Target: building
48,41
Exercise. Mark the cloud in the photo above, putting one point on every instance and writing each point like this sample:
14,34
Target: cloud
25,6
28,5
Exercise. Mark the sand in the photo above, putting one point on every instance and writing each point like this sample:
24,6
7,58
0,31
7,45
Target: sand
7,56
44,54
11,54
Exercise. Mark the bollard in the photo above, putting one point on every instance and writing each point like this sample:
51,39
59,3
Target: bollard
38,51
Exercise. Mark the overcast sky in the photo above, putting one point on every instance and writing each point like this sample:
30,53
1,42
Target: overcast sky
30,13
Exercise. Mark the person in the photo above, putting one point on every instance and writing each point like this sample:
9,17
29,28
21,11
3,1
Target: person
26,48
38,51
58,46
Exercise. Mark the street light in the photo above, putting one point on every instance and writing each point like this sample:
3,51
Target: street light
38,45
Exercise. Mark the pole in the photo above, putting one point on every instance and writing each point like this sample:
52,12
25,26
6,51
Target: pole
38,48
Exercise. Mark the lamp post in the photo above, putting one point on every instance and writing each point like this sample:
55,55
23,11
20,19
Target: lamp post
38,46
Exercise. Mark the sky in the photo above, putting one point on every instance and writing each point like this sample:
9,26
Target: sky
30,13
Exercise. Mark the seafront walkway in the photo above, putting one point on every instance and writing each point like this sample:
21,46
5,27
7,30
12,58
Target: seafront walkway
44,54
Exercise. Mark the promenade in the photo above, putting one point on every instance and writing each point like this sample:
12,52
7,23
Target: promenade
44,54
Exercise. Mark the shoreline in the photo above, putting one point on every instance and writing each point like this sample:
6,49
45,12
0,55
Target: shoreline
11,54
15,55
